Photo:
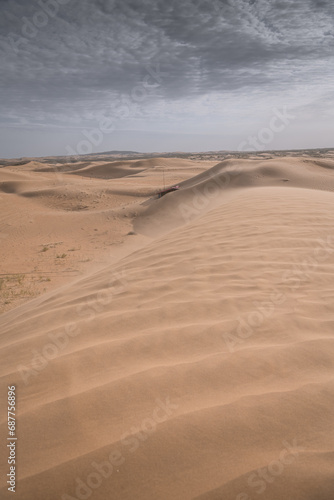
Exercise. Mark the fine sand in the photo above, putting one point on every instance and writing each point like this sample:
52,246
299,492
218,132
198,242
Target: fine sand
176,348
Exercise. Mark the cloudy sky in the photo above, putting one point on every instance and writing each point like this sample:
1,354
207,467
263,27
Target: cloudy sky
149,75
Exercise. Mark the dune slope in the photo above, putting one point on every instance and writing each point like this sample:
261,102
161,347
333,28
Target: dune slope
200,365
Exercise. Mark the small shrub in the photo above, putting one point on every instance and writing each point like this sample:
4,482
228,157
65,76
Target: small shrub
62,256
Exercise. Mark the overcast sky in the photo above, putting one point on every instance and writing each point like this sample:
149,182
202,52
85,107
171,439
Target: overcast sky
153,75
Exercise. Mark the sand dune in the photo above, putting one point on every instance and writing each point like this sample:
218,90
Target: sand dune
60,220
195,361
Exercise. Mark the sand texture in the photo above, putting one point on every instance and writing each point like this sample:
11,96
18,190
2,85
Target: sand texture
190,359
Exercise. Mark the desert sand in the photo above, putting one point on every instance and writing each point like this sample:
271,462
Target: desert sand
172,348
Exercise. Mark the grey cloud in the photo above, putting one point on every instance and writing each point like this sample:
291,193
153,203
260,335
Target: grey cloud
94,51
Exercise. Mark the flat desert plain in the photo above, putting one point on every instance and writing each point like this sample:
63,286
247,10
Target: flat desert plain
169,348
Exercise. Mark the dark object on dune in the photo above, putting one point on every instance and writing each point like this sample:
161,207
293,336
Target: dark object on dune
167,190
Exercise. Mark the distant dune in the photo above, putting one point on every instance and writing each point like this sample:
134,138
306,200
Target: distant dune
170,348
